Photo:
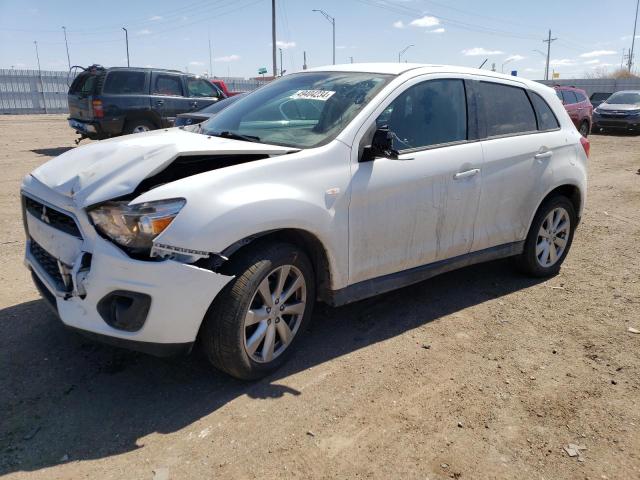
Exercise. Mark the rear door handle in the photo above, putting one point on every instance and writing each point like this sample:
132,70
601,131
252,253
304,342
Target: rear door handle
159,102
466,174
194,104
543,155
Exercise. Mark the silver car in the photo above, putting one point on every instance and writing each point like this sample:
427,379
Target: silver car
620,112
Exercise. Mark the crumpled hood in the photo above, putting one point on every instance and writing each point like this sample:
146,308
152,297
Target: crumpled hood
622,107
111,168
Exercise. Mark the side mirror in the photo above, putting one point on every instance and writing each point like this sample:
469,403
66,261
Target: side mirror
381,146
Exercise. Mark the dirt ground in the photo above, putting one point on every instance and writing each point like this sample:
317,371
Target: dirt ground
479,373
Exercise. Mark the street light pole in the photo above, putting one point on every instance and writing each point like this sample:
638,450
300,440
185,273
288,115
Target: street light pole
548,42
44,101
332,21
126,39
401,52
633,37
281,69
502,67
64,29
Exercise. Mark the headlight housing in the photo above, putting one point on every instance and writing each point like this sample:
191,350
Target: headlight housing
134,227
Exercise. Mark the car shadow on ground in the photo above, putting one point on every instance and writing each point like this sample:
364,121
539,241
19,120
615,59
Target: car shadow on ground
64,397
52,151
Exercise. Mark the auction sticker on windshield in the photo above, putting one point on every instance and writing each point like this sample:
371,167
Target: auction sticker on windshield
313,94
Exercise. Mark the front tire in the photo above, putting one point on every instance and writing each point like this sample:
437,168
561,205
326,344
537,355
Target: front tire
254,323
138,126
549,238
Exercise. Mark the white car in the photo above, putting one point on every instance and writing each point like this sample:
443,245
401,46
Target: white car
333,184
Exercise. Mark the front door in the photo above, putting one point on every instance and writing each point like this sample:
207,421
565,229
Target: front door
201,93
420,207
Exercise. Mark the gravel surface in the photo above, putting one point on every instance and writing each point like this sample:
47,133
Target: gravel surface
480,373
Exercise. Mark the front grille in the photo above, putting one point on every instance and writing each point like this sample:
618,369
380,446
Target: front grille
57,219
49,264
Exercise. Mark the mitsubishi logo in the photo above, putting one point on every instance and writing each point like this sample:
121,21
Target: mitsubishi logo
43,216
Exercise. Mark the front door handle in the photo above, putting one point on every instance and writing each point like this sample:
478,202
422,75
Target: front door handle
194,104
159,102
466,174
543,155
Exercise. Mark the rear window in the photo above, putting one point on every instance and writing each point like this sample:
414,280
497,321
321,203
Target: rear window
507,109
546,119
580,96
599,96
84,84
125,83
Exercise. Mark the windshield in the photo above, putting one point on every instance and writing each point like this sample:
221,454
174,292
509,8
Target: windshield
628,98
303,110
600,96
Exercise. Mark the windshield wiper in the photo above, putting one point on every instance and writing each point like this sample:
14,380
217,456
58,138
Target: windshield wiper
237,136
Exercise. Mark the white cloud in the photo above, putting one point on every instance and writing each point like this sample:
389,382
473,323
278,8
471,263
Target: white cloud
426,21
155,18
437,30
398,24
228,58
477,51
592,62
532,70
514,58
144,31
597,53
196,63
628,37
284,45
562,62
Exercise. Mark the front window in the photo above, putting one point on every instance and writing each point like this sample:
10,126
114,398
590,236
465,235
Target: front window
626,98
302,111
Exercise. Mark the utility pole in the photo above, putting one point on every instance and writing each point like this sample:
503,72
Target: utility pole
401,52
64,29
281,68
126,39
548,42
633,37
493,67
210,57
273,38
44,102
304,62
332,21
351,59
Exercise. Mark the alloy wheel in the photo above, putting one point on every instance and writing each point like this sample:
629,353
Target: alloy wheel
275,313
553,237
141,128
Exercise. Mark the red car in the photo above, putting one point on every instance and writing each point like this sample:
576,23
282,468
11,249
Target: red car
223,86
578,106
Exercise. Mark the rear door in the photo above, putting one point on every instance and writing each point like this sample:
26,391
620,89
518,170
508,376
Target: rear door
201,93
167,96
520,146
81,95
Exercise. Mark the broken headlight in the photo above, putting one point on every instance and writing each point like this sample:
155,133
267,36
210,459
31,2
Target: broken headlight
134,227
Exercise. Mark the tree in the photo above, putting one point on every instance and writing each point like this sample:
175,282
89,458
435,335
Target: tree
602,72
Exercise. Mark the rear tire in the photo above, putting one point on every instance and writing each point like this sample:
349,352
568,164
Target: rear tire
584,129
549,238
248,335
138,126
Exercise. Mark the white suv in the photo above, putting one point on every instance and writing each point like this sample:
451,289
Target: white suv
334,184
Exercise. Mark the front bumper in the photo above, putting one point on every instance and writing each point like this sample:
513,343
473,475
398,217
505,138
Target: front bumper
92,268
610,122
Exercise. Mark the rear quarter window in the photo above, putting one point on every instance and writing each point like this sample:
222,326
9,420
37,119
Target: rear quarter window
507,109
84,84
546,119
125,83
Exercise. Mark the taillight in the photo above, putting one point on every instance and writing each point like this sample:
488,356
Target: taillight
586,145
98,112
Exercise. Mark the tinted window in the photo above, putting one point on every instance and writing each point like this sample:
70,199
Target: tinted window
569,97
546,119
580,97
429,113
124,83
599,96
198,87
507,109
83,84
629,98
559,94
167,85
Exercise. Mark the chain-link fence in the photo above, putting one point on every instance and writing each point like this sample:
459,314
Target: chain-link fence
31,91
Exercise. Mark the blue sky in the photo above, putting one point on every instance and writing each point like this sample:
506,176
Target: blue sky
174,34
